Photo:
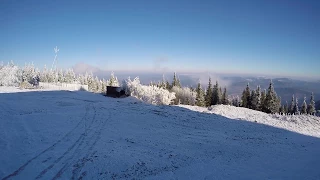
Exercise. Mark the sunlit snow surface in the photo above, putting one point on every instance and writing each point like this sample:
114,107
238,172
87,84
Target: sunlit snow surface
74,135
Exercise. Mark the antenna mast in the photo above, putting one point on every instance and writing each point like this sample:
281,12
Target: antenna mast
56,50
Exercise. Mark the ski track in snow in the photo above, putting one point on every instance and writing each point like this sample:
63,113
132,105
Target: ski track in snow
46,157
106,138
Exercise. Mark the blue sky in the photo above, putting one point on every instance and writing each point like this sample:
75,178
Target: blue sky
275,37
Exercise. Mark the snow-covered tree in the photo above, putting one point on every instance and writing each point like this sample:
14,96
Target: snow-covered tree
304,106
200,96
162,83
256,99
10,75
98,85
271,102
296,108
61,77
184,95
148,94
216,94
208,97
253,99
224,99
176,81
28,72
291,109
70,76
90,81
44,74
104,86
312,105
246,97
236,101
286,107
113,81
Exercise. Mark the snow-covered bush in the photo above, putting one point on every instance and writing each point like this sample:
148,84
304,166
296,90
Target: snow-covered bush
184,95
10,75
113,81
149,94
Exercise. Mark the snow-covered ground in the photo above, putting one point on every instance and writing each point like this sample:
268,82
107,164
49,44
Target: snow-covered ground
304,124
80,135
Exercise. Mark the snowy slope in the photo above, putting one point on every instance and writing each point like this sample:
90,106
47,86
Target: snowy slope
75,135
304,124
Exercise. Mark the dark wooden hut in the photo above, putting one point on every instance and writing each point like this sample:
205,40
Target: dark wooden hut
115,92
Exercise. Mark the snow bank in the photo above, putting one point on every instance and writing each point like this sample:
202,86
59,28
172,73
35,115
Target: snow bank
63,86
304,124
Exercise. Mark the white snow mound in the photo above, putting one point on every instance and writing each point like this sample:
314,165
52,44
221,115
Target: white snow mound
304,124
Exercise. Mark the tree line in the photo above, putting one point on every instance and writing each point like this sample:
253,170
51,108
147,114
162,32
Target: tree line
265,100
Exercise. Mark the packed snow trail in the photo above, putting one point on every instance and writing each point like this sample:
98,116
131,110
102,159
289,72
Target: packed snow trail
79,135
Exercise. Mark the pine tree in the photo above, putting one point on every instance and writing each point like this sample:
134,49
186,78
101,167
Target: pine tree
253,100
176,81
286,107
208,97
246,97
113,81
90,82
216,94
163,84
296,108
282,109
263,98
224,98
168,86
103,86
271,103
236,101
291,109
257,100
312,106
61,78
43,75
200,96
304,106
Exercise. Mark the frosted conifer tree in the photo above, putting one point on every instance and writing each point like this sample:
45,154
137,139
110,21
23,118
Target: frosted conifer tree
90,81
312,106
258,98
253,100
208,97
216,94
246,97
296,108
113,81
97,85
286,107
163,84
10,75
149,94
85,79
291,109
103,86
61,78
200,96
304,106
224,99
176,81
43,74
184,95
271,102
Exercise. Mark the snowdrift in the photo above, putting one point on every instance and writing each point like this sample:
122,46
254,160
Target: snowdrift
304,124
